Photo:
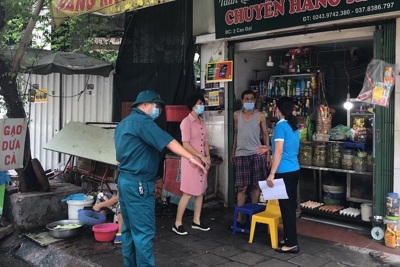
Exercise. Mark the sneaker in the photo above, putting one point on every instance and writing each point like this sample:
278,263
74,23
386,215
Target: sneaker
200,226
180,230
118,239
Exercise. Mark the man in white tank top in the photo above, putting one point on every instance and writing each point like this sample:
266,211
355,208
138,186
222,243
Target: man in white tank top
250,167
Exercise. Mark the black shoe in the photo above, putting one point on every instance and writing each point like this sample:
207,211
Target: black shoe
293,250
200,226
180,230
281,244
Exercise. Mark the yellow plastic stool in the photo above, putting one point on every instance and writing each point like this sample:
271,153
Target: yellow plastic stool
272,217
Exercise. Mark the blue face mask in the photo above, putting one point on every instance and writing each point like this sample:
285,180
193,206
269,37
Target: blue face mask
248,106
155,112
199,109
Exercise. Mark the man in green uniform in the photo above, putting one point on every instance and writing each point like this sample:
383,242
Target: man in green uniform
138,143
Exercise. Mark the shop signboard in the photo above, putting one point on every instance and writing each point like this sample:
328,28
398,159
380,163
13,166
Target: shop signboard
12,138
239,17
219,71
61,10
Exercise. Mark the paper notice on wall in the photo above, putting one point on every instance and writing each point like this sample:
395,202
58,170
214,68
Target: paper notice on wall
276,192
12,140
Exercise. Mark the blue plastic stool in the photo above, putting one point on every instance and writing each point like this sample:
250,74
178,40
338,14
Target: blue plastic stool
249,209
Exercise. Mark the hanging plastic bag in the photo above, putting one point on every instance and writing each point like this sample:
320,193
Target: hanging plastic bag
378,83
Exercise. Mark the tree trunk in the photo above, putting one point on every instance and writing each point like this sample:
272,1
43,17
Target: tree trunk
15,108
8,89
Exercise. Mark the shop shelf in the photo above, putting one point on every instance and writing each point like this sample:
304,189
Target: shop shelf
335,216
358,200
334,170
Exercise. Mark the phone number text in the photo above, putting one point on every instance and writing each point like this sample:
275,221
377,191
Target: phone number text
348,12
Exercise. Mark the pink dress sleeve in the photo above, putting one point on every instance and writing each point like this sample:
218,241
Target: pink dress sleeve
185,129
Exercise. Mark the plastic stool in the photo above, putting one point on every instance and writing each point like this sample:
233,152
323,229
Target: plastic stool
272,217
249,209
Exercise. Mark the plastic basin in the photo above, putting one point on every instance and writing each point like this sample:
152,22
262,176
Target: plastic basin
105,232
90,217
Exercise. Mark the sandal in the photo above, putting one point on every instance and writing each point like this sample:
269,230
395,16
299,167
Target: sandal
292,250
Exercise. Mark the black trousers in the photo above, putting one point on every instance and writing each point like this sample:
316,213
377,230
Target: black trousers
288,207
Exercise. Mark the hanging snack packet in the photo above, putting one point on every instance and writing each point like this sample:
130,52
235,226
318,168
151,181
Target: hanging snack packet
378,83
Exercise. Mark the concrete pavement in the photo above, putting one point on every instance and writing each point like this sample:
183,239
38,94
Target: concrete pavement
218,247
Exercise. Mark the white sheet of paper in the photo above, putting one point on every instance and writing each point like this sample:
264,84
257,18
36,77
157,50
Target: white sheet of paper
276,192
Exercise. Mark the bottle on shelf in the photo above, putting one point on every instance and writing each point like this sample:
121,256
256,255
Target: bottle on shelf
298,67
298,89
302,87
283,88
292,65
270,87
277,88
273,108
289,86
313,84
294,88
306,66
308,92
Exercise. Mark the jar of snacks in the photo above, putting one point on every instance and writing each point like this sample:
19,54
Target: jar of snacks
347,159
360,162
334,155
319,157
306,153
393,205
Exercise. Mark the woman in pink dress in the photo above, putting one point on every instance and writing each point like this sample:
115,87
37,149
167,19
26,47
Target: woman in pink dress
193,182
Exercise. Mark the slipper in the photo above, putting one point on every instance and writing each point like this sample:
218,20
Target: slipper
293,250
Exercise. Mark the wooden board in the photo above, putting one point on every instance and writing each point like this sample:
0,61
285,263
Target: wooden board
86,141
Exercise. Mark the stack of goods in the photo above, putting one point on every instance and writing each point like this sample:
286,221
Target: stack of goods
359,131
311,204
352,212
330,208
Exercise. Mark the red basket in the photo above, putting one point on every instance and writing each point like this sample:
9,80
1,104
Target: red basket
105,232
176,113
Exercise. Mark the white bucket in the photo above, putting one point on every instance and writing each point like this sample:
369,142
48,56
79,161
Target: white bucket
366,211
75,205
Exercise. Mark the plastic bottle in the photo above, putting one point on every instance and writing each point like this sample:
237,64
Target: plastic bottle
283,88
277,88
270,87
298,89
291,66
307,66
302,87
294,88
289,87
298,68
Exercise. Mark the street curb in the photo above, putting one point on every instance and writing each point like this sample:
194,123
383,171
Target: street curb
50,256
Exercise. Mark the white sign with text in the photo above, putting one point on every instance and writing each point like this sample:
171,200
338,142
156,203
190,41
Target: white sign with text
12,140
